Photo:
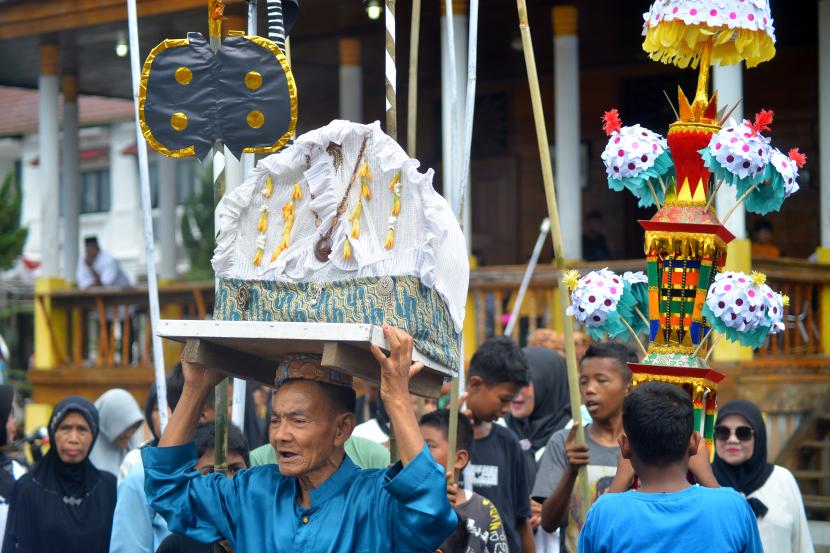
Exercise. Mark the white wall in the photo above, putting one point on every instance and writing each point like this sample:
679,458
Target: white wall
119,230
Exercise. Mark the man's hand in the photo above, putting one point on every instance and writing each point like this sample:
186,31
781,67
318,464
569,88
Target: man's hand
577,453
395,372
624,478
701,469
535,514
200,377
453,493
397,369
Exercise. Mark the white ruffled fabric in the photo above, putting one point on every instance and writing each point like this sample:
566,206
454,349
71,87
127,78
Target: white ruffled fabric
428,244
753,15
632,150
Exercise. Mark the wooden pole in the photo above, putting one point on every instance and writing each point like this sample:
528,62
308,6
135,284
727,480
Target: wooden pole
412,96
556,235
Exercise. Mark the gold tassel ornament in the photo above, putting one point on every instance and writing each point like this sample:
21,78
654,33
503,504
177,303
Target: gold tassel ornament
347,250
268,187
390,239
262,225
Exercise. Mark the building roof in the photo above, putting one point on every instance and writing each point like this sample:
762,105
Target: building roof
19,110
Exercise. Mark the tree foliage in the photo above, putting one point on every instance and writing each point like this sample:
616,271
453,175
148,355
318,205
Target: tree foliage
12,235
198,227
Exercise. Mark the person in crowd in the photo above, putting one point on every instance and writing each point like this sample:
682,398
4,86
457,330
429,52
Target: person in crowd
594,244
666,513
318,499
10,470
98,268
497,468
771,491
120,418
238,459
763,244
173,386
64,504
540,409
604,380
480,529
136,527
551,339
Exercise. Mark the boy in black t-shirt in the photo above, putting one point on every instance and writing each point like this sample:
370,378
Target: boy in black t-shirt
497,470
480,529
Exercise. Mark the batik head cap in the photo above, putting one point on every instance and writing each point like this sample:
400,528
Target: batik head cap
674,31
308,367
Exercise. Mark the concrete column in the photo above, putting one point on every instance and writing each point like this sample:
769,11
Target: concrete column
167,219
71,196
233,171
453,116
351,81
824,155
566,127
729,83
824,117
49,159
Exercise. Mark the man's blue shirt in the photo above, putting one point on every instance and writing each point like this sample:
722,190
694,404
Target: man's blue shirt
402,509
696,519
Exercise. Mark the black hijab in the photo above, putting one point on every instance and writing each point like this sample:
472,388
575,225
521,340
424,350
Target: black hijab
6,469
752,474
61,506
552,405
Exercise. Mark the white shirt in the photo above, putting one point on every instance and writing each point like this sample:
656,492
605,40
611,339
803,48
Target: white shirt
107,268
784,528
17,471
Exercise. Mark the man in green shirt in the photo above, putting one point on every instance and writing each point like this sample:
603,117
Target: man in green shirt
365,453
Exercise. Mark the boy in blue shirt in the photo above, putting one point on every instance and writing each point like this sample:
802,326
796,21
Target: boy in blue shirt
667,513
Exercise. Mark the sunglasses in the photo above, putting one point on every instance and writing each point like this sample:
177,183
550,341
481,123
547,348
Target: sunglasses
743,433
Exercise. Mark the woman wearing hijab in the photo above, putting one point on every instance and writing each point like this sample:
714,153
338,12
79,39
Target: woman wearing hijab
64,504
120,418
772,492
10,470
540,409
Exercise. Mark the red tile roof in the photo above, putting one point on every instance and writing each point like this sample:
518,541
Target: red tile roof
19,110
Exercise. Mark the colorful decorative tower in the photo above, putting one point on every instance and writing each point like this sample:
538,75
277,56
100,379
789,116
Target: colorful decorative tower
685,294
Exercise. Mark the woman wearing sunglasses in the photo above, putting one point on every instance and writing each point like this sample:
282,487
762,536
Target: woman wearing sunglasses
771,490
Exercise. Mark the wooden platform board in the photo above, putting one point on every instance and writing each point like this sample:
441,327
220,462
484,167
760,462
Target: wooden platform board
252,349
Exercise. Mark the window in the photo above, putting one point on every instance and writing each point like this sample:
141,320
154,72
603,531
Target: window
95,190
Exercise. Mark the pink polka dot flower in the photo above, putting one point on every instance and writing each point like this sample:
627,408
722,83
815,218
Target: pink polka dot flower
635,158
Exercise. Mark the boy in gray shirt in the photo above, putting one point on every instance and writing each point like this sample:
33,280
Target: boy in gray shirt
604,381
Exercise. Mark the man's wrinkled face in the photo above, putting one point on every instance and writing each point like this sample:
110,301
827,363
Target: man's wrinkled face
303,429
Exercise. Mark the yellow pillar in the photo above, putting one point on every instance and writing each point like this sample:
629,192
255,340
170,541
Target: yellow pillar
824,258
738,258
51,328
470,333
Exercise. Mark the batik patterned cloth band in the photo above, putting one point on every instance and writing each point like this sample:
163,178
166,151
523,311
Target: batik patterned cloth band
308,367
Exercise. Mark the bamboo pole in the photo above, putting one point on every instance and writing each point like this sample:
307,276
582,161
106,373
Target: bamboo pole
558,248
412,96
